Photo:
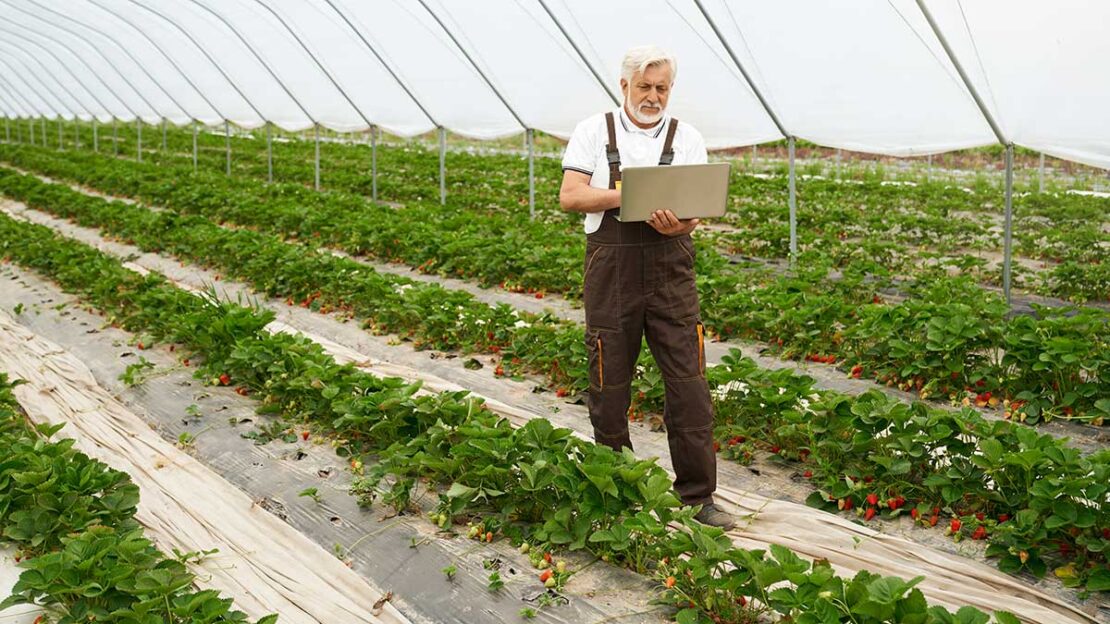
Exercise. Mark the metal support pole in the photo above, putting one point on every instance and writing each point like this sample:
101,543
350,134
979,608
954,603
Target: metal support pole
31,130
793,206
59,134
139,139
269,155
530,135
7,130
163,135
443,165
43,120
227,146
18,132
1007,249
115,138
1040,175
96,137
316,135
374,163
194,147
928,167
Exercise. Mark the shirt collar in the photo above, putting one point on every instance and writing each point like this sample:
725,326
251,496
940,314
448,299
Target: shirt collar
652,132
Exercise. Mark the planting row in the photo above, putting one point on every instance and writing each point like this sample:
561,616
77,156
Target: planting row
929,457
536,484
84,556
947,339
898,227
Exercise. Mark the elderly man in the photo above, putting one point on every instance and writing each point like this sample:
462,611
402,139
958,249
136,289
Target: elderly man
639,277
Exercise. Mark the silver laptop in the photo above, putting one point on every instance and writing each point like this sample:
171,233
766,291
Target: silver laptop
689,191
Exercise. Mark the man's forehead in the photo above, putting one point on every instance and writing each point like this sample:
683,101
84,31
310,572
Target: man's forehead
656,74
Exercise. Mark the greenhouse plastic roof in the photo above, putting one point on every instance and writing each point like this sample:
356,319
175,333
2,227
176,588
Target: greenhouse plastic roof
865,75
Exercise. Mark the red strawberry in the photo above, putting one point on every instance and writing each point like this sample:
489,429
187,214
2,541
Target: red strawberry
900,501
547,557
857,371
499,371
546,574
304,435
980,533
848,504
141,347
914,513
1003,517
669,582
185,361
225,379
775,449
561,392
808,474
871,511
954,527
979,516
539,295
892,503
933,521
873,499
716,446
868,479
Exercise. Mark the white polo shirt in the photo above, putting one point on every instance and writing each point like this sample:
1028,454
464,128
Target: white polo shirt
639,147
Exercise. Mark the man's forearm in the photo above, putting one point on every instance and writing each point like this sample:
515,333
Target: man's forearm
589,199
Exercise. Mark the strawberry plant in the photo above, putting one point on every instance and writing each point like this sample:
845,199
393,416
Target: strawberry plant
444,438
62,510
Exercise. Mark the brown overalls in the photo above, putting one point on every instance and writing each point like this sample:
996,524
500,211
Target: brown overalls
639,283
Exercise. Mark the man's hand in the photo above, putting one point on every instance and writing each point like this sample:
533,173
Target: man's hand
666,223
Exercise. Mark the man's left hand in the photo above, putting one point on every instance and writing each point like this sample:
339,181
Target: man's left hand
666,223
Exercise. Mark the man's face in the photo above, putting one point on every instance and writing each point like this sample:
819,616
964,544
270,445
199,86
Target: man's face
646,96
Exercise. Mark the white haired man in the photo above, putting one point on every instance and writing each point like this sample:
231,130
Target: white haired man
639,277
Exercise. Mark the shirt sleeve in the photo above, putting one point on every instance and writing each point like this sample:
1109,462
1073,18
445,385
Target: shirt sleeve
581,153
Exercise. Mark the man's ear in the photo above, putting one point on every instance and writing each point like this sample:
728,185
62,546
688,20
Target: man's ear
624,87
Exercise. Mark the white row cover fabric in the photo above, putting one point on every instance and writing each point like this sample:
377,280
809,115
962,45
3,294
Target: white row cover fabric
868,75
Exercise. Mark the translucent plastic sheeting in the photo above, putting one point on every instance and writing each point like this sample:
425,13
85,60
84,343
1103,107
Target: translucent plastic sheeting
439,76
84,74
709,91
868,75
339,39
132,55
44,85
1040,68
112,67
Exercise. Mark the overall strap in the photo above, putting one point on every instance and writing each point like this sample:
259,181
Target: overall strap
668,147
612,153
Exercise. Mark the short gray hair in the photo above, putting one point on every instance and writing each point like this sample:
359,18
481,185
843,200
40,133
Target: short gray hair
640,58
